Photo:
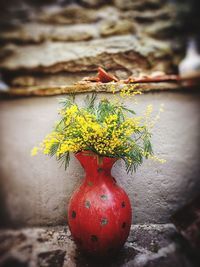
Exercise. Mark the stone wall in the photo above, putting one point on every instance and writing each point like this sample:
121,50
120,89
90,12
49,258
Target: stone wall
52,44
35,190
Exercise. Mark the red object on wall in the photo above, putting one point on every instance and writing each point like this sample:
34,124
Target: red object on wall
99,213
106,77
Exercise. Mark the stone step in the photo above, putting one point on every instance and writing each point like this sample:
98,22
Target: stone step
148,245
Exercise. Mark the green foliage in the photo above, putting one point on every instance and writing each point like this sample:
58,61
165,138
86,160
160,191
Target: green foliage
107,128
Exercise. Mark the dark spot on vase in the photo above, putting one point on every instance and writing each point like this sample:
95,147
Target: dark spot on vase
114,180
104,197
87,204
73,214
123,225
100,169
104,221
94,238
90,183
123,204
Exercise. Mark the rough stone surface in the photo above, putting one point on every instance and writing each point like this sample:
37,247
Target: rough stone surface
112,52
139,4
48,80
36,190
147,245
37,33
187,220
76,36
112,27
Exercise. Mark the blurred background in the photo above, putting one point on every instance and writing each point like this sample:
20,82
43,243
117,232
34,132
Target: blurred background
43,40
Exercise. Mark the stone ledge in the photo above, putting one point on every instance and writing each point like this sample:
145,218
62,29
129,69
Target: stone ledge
89,87
148,245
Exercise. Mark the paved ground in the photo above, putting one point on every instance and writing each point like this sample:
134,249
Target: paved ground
147,246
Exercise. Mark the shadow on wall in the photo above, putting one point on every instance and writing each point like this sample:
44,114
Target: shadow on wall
4,214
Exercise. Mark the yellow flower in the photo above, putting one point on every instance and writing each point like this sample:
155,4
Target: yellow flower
34,151
71,110
104,128
130,90
155,158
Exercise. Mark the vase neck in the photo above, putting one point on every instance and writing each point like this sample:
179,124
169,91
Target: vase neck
95,165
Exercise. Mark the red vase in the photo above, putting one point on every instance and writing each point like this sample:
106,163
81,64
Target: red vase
99,213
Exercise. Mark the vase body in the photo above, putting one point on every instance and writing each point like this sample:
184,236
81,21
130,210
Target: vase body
99,212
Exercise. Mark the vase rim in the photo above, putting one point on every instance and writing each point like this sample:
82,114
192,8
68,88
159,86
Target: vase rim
92,154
